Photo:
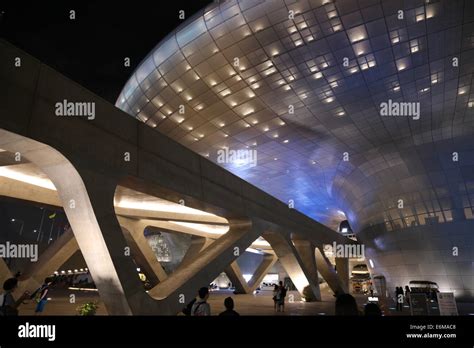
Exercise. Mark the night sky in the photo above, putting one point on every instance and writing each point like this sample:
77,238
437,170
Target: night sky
91,49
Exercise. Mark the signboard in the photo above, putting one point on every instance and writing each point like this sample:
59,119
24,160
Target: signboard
447,303
418,304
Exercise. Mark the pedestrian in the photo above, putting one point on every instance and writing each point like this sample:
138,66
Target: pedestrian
42,296
346,305
229,311
399,298
276,297
281,297
201,307
8,305
407,294
371,289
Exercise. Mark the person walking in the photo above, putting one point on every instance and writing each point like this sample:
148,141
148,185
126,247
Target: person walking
229,308
201,307
42,296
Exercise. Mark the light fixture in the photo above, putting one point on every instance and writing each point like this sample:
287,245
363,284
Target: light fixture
286,141
248,112
318,75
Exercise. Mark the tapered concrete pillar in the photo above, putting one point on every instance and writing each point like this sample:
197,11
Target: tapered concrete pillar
305,250
50,260
142,260
136,229
261,271
291,262
327,271
210,262
235,276
234,273
198,244
342,270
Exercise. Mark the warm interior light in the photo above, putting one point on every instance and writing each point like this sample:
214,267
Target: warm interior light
15,173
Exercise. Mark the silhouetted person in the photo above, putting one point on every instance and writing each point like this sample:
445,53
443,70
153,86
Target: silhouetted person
407,294
275,297
201,307
399,298
281,297
229,308
346,305
371,290
372,310
8,305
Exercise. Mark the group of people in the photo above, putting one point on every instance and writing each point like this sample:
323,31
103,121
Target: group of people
279,294
199,306
8,305
401,297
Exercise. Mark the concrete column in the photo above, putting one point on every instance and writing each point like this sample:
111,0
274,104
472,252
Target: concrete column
243,287
198,244
136,230
305,250
142,260
291,261
50,260
235,276
342,269
211,261
327,271
261,271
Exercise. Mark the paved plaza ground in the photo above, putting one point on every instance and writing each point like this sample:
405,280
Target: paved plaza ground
246,304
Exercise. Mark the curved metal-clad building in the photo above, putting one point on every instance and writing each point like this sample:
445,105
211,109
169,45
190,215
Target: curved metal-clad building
355,109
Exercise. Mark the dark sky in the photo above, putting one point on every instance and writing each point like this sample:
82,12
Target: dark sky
91,48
